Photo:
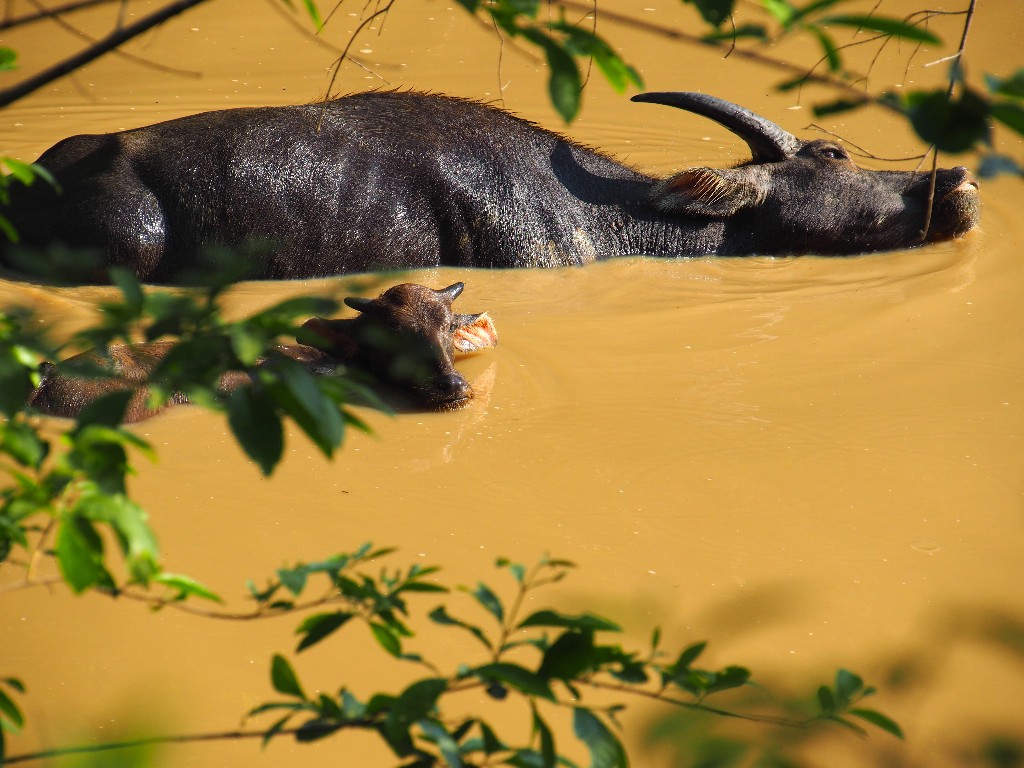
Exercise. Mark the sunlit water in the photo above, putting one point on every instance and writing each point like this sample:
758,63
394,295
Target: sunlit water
808,462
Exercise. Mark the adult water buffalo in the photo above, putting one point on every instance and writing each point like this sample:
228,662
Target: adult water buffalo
386,180
405,339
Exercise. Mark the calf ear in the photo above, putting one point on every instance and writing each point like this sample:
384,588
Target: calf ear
716,192
331,336
471,333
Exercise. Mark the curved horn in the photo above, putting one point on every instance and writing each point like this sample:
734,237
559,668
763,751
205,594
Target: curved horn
358,303
452,291
768,142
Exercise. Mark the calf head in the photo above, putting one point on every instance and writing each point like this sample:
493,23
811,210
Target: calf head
808,196
408,337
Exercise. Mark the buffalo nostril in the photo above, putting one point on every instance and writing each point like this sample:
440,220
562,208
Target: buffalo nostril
453,386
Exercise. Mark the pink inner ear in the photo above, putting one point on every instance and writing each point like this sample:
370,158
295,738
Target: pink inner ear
477,335
696,184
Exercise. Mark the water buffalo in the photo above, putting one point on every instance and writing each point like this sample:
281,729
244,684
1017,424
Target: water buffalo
406,339
387,180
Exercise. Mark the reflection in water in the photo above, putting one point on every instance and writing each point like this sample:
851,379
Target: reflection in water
801,460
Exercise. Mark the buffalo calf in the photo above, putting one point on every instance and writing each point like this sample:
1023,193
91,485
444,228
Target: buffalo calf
405,339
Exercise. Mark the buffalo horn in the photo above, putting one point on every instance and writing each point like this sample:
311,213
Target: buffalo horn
452,291
358,303
768,142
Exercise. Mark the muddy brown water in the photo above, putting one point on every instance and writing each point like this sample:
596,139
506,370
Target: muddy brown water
808,462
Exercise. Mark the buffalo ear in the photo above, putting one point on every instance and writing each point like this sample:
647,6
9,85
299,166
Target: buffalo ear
332,336
471,333
715,192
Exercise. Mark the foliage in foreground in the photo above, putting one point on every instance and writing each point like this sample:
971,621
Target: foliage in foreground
549,664
63,498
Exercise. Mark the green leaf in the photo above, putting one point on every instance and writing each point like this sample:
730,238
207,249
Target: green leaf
847,686
257,427
80,554
714,12
416,701
547,741
994,164
826,700
606,751
754,31
1009,86
880,720
186,587
10,712
569,656
387,639
283,678
886,26
952,126
828,47
440,616
297,393
23,444
8,59
1010,115
780,10
315,628
129,522
837,106
549,618
515,676
489,600
131,288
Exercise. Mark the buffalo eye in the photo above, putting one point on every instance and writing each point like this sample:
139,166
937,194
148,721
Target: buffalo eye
834,153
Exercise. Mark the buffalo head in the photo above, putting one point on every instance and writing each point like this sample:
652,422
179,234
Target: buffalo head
407,337
809,196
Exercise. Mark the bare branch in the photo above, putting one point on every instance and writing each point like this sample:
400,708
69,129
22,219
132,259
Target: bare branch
107,44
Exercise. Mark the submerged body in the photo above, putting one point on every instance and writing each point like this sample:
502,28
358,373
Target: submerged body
405,339
389,180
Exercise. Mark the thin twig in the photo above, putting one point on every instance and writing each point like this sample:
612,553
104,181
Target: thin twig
107,44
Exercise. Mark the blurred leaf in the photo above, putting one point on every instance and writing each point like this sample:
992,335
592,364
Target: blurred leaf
569,656
847,686
80,555
714,12
886,26
782,11
606,751
952,126
440,616
315,628
10,713
515,676
387,639
1009,86
186,587
22,443
8,59
489,600
880,720
564,82
753,31
994,164
549,618
257,427
828,47
283,678
547,741
837,106
826,700
1010,115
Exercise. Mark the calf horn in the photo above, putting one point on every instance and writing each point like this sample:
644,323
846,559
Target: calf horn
768,142
452,291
